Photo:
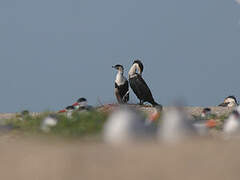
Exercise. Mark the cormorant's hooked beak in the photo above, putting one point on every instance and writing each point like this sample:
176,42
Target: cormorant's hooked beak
114,67
224,104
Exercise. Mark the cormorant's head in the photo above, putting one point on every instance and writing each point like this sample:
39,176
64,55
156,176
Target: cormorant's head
118,67
140,65
229,101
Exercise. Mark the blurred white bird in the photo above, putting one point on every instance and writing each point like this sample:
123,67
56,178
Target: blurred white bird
175,126
126,125
48,122
201,128
231,127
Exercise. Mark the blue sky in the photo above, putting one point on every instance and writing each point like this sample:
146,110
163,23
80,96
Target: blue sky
54,51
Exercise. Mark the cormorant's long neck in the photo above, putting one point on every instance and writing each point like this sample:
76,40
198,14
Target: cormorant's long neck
133,70
119,78
120,73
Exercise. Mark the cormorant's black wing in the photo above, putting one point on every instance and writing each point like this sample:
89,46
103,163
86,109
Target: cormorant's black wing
141,89
123,91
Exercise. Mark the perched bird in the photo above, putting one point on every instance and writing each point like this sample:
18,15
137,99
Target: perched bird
82,104
48,122
205,119
121,85
231,127
138,84
25,113
206,112
175,126
69,110
203,123
229,101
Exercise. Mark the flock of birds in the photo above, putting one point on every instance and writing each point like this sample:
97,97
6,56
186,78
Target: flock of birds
127,124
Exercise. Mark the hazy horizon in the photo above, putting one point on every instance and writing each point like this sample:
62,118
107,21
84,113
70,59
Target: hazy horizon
55,51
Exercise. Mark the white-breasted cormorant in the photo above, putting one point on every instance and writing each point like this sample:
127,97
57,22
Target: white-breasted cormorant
138,84
121,85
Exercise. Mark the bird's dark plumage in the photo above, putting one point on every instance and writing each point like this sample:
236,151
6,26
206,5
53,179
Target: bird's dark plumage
123,92
82,99
141,89
69,108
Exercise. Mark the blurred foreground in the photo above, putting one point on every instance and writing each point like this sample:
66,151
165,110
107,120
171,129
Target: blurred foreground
38,159
88,145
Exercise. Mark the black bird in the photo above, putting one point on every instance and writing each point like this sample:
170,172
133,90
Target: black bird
121,85
138,84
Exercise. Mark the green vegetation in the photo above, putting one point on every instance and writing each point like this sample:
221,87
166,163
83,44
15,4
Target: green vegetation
79,125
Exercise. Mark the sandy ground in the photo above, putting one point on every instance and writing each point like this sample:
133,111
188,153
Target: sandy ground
198,159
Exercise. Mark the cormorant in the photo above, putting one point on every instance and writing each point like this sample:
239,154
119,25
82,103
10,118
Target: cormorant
121,85
138,84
